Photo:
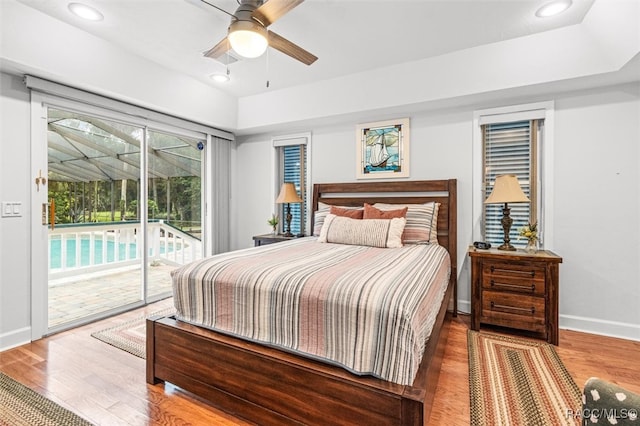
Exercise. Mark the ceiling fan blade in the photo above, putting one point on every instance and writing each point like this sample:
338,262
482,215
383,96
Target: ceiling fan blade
270,11
288,48
218,50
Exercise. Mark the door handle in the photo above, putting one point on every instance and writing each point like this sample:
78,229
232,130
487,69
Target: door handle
52,213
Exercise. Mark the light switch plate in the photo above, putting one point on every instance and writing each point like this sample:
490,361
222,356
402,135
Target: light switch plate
7,209
11,208
17,209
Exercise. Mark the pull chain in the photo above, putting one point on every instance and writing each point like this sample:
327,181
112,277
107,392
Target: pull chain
267,67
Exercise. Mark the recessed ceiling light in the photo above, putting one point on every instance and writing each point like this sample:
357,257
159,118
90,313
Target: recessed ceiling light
85,12
553,8
221,78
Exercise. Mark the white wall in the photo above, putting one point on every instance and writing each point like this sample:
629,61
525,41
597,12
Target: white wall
597,208
596,187
15,185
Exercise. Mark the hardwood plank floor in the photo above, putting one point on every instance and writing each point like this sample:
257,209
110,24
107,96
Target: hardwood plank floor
107,386
585,355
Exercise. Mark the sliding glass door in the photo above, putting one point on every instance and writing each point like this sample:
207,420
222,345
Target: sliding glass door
174,208
124,209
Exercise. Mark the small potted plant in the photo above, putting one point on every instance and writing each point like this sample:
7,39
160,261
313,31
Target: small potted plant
274,223
530,232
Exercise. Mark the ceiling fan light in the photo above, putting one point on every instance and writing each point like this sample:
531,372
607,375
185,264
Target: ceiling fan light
248,39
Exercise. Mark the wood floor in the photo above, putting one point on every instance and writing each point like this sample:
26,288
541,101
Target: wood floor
107,386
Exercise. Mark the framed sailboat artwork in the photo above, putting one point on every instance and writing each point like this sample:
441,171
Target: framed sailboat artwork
383,149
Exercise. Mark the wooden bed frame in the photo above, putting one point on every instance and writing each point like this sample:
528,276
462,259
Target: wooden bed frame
272,387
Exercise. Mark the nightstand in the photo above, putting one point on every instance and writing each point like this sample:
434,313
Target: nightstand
515,289
262,240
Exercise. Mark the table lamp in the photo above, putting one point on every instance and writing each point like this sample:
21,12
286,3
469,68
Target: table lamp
288,194
506,189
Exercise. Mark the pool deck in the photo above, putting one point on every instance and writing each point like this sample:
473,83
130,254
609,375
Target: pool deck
88,295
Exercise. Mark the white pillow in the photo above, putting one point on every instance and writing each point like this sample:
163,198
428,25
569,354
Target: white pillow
362,232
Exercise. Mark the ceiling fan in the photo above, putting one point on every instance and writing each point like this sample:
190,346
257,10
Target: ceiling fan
248,35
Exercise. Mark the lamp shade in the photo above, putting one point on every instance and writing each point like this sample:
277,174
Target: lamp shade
288,194
506,189
248,39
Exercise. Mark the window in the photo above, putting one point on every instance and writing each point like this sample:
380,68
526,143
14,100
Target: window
292,166
514,140
510,148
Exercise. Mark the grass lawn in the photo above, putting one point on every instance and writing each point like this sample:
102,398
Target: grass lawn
106,216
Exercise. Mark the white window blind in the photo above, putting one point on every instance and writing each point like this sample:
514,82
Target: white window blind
510,148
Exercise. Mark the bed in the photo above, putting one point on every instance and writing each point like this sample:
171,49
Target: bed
269,385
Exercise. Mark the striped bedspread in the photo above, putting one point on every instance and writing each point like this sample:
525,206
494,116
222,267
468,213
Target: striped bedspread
369,310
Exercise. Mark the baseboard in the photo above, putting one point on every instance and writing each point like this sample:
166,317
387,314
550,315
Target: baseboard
601,327
464,306
15,338
620,330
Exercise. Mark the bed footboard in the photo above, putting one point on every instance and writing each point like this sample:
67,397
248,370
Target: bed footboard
271,387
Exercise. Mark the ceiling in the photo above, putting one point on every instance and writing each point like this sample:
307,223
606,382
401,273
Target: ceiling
348,36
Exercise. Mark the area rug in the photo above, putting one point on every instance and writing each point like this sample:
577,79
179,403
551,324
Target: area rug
519,382
21,406
130,336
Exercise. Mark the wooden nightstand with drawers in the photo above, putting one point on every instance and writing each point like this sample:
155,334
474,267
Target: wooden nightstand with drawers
263,240
515,289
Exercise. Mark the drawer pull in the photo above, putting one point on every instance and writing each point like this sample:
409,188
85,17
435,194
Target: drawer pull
513,286
513,271
513,308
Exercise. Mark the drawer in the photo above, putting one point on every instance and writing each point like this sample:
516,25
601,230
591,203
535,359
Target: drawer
520,278
517,284
513,310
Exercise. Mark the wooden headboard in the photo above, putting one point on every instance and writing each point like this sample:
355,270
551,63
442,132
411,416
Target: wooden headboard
402,192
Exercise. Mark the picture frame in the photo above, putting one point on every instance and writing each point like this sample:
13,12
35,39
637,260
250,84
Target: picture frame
383,149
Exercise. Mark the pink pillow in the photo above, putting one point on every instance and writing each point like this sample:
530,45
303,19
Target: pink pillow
371,212
350,213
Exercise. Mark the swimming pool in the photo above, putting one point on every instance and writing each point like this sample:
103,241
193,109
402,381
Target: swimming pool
100,257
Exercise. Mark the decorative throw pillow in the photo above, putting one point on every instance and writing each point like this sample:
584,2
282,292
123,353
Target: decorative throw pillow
366,232
346,212
371,212
422,222
321,213
620,405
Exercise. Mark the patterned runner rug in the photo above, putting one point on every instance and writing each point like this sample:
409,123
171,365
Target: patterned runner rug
519,382
21,406
130,336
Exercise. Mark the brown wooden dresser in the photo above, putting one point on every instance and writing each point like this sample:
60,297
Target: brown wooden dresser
515,289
